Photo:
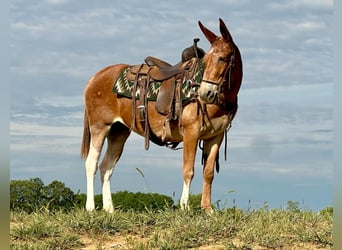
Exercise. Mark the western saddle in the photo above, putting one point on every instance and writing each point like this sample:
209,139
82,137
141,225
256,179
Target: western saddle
169,100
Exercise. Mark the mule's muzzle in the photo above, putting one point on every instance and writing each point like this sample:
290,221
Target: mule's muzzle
208,92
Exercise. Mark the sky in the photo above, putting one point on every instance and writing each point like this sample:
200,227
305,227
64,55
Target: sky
280,146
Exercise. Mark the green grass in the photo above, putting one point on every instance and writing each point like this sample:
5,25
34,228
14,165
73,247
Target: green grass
231,228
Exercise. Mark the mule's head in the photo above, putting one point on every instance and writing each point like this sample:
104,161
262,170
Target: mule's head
218,62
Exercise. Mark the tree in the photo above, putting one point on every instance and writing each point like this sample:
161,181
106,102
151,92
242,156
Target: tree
32,194
58,196
26,194
293,206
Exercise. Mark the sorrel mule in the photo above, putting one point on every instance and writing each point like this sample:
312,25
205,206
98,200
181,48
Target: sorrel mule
109,116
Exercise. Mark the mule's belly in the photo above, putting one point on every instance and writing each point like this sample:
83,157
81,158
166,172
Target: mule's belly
156,121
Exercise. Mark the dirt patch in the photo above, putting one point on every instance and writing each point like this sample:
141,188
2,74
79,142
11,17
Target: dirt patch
115,242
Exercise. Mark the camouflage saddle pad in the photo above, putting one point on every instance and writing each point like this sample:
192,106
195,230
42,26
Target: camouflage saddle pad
124,87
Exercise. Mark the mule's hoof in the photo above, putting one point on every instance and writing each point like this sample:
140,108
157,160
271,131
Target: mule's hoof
90,208
109,209
208,210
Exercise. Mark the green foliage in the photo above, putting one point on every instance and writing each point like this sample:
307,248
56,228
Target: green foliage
30,195
26,195
328,211
80,200
293,206
125,200
58,196
195,201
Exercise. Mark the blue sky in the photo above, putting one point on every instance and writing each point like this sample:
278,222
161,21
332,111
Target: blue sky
280,146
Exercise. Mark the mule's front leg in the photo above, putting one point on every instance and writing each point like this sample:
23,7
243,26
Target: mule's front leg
189,153
211,148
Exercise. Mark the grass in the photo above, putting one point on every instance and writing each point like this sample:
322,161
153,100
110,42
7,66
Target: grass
231,228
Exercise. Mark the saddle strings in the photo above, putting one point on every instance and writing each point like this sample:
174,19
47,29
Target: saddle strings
133,126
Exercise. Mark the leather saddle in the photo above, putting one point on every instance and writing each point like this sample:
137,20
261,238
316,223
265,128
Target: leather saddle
158,70
161,70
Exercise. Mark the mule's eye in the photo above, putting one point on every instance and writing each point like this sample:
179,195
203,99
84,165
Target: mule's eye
223,59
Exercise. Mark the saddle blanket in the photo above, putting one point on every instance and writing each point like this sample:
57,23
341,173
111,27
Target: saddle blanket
124,87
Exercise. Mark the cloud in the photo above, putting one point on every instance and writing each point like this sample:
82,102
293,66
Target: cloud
316,5
306,26
58,1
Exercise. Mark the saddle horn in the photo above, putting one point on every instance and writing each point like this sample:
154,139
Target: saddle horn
196,40
193,51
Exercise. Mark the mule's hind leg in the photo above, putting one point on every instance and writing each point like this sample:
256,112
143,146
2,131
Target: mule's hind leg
91,163
211,148
116,139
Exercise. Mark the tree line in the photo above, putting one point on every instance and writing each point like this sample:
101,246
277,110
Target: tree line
32,194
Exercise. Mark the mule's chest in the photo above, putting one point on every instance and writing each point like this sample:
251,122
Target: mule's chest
214,126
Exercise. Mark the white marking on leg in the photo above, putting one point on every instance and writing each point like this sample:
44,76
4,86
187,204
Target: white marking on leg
106,193
106,169
184,202
91,168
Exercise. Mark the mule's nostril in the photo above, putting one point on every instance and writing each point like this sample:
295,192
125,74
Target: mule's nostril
208,94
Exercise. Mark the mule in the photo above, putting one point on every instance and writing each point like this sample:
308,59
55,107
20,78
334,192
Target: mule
109,116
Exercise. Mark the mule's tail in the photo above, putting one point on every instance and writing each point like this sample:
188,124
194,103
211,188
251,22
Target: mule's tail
86,137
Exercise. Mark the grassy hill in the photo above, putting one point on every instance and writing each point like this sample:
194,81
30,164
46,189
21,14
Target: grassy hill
230,228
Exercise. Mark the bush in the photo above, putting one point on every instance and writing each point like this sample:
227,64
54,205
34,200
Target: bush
125,200
194,202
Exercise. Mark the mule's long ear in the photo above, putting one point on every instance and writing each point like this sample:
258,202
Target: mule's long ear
225,32
208,34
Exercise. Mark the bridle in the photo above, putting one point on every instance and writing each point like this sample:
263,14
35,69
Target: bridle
228,72
228,107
